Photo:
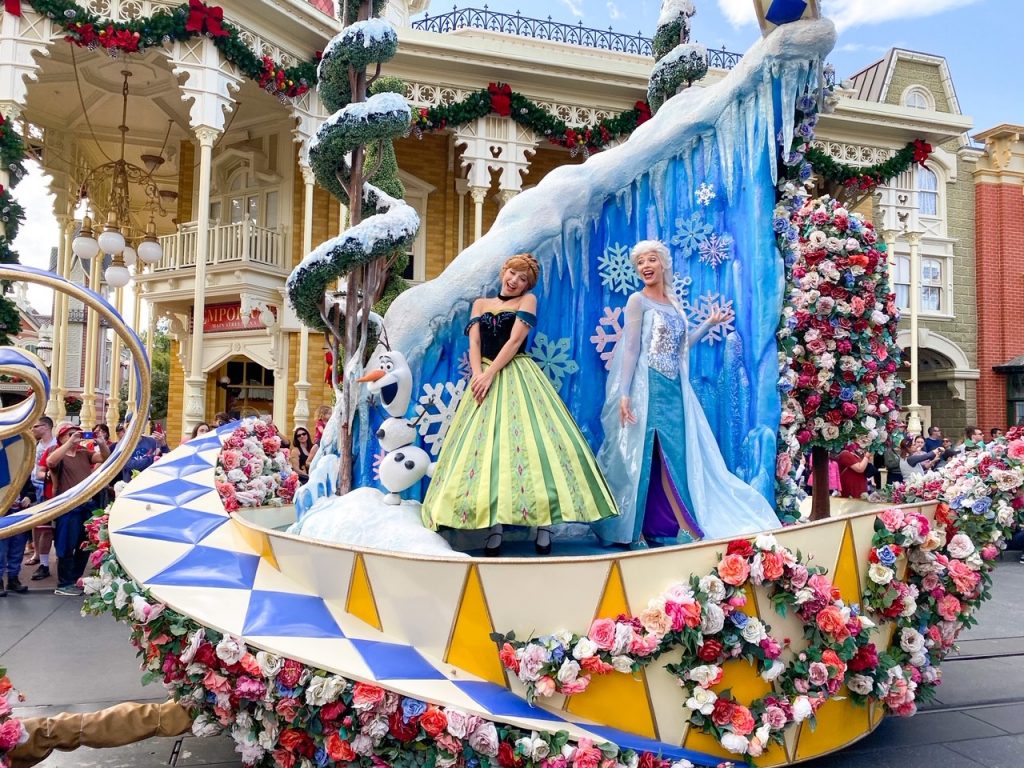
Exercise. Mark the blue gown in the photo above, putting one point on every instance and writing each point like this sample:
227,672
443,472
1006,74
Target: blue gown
666,471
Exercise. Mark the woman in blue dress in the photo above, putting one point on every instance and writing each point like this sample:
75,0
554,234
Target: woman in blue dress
659,455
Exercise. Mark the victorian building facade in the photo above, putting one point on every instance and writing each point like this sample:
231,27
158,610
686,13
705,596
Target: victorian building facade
240,206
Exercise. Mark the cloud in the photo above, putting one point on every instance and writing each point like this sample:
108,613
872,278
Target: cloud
852,13
39,232
864,48
575,7
613,11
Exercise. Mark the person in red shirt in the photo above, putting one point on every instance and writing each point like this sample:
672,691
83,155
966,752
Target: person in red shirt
853,464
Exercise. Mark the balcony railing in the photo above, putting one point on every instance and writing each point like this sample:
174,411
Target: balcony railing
242,241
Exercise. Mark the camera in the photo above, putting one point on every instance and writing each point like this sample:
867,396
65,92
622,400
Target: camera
87,435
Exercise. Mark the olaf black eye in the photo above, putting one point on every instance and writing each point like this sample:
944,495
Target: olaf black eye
399,457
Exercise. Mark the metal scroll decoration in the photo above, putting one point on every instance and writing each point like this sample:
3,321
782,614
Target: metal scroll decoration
17,446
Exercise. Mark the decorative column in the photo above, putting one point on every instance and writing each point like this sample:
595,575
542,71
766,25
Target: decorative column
300,415
150,346
461,188
114,398
136,317
195,384
92,336
505,195
914,408
889,238
478,194
58,368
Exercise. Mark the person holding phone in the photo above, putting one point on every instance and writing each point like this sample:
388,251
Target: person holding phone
70,463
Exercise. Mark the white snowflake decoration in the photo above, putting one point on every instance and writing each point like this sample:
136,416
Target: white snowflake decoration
437,406
465,367
681,287
716,249
552,355
691,233
616,270
699,312
377,459
705,194
605,340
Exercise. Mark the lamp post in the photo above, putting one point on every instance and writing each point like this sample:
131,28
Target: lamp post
914,407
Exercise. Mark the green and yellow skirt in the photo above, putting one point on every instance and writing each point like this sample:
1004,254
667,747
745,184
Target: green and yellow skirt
518,459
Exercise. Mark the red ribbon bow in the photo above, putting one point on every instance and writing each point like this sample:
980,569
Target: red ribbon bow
204,18
922,149
501,98
329,360
643,112
13,6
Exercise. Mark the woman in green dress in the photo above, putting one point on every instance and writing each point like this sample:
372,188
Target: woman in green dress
513,455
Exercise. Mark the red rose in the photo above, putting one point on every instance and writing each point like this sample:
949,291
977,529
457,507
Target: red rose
290,673
722,713
710,651
283,758
507,756
648,760
866,658
297,742
332,711
402,730
433,721
288,708
206,655
834,417
507,655
338,749
741,547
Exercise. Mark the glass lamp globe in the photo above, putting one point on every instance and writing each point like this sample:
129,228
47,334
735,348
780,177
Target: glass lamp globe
85,247
111,241
117,276
130,256
150,251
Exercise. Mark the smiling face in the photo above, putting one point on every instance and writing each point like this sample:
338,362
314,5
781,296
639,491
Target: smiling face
514,282
649,267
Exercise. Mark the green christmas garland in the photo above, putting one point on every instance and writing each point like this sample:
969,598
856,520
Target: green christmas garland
502,100
862,178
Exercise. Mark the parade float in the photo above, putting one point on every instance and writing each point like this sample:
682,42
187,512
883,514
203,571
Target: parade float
322,624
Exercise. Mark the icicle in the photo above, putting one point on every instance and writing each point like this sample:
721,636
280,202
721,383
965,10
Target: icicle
657,177
726,138
792,78
706,140
688,150
751,120
766,104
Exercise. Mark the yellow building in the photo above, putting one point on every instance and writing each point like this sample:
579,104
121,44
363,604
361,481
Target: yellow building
229,160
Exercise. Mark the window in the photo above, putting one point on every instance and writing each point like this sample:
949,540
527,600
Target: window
931,283
927,184
250,387
417,193
918,97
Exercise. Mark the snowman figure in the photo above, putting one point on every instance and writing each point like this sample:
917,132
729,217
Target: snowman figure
404,463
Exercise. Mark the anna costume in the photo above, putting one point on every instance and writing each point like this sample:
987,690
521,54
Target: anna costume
518,457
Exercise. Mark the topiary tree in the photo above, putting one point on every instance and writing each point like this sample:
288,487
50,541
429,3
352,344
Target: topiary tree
353,158
679,62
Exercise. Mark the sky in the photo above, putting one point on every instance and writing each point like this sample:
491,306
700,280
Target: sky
981,40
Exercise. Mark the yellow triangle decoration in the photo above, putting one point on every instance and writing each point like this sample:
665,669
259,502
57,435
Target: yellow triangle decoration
616,700
471,647
360,595
847,574
838,722
260,543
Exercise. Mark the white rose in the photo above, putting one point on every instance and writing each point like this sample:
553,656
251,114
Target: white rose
919,659
766,541
714,587
702,700
682,764
205,725
960,546
753,631
679,593
584,649
861,684
569,671
880,574
705,674
194,641
712,620
911,640
735,743
230,649
830,431
622,663
623,638
802,709
269,663
324,690
772,672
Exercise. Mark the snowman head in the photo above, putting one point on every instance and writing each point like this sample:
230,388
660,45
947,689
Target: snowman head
403,468
390,377
396,432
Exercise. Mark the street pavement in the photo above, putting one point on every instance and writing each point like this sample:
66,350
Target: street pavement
65,662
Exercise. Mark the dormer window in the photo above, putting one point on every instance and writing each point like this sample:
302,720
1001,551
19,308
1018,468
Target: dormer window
918,97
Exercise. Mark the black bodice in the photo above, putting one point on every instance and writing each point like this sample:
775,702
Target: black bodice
495,330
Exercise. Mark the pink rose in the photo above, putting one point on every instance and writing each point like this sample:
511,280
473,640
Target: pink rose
965,579
10,735
817,673
602,633
579,685
587,755
774,717
734,569
545,686
948,607
892,519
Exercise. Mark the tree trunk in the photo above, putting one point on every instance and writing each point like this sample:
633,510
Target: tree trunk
820,499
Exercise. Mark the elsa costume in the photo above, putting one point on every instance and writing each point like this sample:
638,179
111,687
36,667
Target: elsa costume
666,471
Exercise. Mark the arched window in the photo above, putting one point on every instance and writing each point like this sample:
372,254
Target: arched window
918,97
927,184
932,284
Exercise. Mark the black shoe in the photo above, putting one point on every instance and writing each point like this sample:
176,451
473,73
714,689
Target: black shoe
42,572
3,590
15,585
543,549
495,549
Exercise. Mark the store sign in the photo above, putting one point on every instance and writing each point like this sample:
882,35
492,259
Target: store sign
220,318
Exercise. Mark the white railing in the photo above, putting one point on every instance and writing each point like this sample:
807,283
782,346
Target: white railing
243,241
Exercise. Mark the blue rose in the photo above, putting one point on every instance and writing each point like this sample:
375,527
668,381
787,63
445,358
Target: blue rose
779,225
558,653
886,556
806,171
321,757
740,619
412,708
982,505
957,503
846,393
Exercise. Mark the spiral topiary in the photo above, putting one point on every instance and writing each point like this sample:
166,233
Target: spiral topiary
679,62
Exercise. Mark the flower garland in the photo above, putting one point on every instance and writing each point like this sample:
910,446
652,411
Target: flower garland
84,28
284,714
948,577
704,619
500,99
12,731
253,470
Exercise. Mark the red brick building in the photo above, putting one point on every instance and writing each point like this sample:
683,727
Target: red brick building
999,218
